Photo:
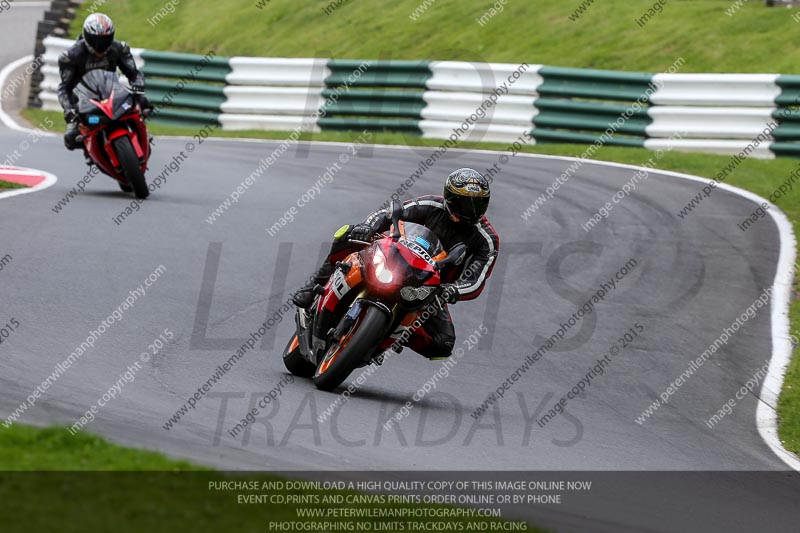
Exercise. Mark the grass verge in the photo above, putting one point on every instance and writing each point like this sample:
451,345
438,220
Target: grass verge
9,185
605,36
88,484
757,175
24,448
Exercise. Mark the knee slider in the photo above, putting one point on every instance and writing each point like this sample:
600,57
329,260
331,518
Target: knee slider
444,344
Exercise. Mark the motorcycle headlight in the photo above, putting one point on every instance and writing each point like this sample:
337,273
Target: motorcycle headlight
383,274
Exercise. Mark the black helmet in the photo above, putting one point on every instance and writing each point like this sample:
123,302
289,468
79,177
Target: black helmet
98,32
466,195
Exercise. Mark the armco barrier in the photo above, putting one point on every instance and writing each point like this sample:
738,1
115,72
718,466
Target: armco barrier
593,84
496,102
55,22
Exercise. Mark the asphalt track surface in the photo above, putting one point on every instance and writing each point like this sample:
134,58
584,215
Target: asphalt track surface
71,270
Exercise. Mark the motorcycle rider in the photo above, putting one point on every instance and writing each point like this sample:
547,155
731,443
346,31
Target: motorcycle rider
94,49
456,217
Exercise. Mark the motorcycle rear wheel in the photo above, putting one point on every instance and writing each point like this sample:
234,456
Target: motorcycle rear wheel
131,167
348,352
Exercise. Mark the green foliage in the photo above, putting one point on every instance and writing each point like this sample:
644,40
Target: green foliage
606,36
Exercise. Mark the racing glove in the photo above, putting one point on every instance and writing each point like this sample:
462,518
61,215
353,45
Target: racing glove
71,115
361,232
449,293
137,86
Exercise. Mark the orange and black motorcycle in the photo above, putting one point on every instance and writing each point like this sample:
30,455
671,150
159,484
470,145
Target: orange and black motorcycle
371,298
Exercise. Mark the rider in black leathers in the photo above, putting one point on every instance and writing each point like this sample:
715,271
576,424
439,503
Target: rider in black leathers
94,49
456,217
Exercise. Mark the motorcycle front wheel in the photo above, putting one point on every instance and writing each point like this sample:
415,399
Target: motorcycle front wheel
131,167
345,354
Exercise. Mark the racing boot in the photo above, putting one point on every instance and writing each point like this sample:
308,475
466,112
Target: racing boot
305,296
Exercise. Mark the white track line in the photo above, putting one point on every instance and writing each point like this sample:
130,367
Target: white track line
766,412
49,179
4,74
5,118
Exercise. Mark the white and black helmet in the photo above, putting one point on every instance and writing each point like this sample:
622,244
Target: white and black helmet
98,32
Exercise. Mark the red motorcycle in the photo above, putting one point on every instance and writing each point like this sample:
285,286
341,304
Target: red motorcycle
372,297
113,130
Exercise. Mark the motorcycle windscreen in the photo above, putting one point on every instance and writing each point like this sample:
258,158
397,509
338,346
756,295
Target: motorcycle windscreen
422,240
99,85
423,236
424,244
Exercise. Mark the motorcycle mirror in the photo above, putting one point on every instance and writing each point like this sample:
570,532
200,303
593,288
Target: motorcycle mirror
455,256
397,214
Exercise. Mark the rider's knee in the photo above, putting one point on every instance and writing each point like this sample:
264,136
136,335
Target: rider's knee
440,347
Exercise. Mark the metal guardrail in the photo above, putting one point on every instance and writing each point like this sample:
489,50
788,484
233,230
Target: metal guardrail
720,113
55,22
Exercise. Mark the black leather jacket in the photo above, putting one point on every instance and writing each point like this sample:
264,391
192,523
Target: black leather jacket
75,62
481,240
